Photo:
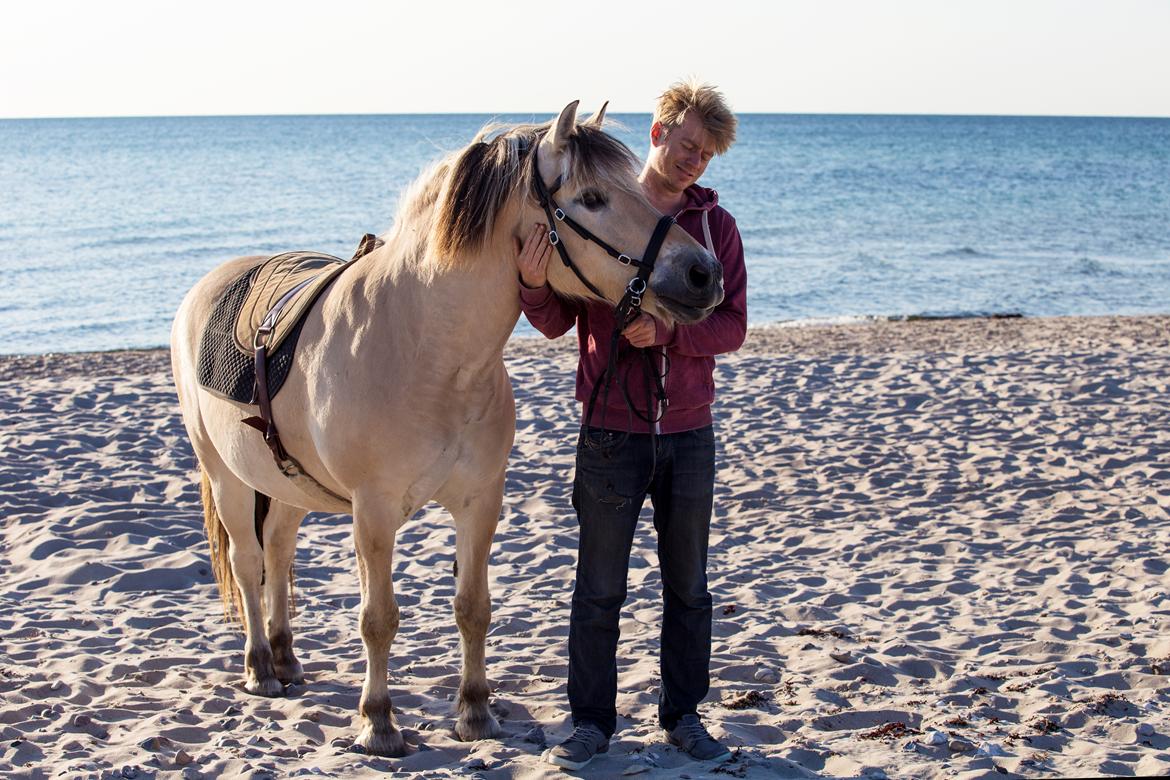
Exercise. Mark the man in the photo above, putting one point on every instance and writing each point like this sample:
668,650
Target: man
692,124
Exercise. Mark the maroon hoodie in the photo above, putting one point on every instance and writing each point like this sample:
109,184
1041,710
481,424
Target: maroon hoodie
689,351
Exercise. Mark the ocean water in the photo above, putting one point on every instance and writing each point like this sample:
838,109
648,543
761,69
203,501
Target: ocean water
105,223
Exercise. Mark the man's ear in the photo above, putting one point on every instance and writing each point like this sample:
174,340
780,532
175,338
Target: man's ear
657,133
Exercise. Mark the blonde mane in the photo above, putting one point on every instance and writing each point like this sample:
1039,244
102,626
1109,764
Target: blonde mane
447,214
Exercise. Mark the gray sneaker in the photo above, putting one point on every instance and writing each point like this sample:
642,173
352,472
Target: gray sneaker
690,735
583,744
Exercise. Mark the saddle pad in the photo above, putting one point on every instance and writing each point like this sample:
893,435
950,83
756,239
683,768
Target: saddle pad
274,278
227,369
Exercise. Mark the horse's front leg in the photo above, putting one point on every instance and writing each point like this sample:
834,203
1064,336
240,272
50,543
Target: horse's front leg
374,538
475,524
280,543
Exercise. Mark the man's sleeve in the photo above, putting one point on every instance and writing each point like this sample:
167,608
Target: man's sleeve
549,313
726,327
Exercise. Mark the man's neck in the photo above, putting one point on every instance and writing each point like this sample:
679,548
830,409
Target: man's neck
667,201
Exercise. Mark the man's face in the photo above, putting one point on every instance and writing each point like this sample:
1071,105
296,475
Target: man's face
681,153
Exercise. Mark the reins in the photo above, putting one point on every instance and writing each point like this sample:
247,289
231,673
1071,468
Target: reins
625,312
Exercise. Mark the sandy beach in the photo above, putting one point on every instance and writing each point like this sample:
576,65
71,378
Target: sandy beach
940,549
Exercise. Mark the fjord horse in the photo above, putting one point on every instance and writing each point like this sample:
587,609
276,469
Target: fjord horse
398,393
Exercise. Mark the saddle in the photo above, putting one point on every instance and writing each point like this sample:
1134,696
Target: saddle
247,347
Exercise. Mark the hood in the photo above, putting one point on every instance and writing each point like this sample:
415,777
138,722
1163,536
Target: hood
699,199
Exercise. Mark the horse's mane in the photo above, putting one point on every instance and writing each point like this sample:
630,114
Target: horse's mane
451,208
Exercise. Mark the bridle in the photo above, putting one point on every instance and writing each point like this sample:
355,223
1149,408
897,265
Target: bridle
626,310
631,303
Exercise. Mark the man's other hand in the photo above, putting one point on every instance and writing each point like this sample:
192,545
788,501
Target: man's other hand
532,258
644,330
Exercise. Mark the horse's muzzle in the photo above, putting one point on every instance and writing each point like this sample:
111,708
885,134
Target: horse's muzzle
688,283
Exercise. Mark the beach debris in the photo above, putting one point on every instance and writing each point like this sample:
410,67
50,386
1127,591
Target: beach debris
1103,704
821,632
1045,725
936,737
742,701
733,767
155,743
80,720
911,746
894,730
182,758
960,745
130,771
766,675
841,656
1144,729
729,609
990,749
536,736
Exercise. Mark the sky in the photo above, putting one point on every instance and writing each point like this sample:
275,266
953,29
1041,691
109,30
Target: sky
132,58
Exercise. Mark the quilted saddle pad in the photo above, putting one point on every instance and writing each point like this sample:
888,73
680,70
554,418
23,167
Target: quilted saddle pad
226,356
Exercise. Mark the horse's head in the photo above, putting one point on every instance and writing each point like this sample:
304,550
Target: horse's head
491,192
590,179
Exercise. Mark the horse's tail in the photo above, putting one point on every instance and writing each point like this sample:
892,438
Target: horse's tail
218,542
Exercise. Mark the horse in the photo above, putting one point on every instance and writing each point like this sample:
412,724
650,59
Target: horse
398,393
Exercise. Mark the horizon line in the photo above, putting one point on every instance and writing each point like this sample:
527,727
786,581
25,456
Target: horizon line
972,115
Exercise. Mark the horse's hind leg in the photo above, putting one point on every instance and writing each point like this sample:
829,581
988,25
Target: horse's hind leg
475,524
374,534
280,542
235,505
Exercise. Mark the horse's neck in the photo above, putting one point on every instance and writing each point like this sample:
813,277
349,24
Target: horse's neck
462,314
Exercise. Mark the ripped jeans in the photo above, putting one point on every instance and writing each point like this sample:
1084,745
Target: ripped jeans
608,493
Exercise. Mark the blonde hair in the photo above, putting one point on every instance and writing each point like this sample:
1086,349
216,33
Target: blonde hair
706,101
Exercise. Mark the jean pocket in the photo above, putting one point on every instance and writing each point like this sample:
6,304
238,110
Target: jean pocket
614,481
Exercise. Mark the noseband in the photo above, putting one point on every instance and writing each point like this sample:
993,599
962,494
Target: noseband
631,302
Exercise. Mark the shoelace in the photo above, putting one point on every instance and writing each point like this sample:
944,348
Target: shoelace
586,736
693,733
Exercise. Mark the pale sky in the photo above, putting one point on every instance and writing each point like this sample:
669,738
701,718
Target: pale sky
132,58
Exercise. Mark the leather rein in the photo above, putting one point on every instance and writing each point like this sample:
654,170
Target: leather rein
625,312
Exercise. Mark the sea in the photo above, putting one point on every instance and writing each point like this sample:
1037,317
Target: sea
106,223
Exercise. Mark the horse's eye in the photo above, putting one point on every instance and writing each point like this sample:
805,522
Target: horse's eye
591,199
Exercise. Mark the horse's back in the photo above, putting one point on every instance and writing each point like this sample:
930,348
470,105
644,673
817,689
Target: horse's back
200,299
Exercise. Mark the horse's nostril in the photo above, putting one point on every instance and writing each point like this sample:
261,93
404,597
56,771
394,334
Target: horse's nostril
699,277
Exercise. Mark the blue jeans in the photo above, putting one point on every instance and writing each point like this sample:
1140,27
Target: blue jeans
608,493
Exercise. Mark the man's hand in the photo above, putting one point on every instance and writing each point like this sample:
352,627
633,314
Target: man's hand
532,258
643,331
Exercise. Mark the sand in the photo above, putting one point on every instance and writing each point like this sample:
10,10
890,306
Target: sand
940,549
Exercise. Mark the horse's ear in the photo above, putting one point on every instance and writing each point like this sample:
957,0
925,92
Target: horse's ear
599,117
566,126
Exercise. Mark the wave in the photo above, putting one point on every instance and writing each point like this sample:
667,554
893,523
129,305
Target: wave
960,253
1087,266
862,319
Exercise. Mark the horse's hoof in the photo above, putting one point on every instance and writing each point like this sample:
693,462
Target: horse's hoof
477,725
270,688
291,675
384,743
